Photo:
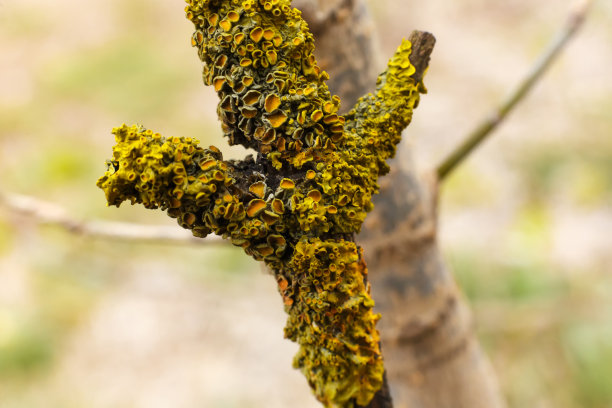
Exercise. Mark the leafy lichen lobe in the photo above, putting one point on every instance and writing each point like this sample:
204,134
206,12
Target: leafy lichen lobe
297,205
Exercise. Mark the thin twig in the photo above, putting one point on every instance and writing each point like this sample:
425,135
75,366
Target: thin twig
43,212
480,133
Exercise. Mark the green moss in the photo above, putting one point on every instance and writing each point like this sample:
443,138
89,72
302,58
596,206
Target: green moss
308,191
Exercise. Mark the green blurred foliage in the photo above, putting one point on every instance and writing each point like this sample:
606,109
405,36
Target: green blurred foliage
125,77
583,171
54,165
469,188
589,351
25,346
521,280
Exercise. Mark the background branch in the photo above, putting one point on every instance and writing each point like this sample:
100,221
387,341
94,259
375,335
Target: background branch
43,212
482,131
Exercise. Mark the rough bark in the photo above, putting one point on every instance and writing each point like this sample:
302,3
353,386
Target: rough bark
432,357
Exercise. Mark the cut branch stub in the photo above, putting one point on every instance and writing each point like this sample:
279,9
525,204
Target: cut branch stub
297,206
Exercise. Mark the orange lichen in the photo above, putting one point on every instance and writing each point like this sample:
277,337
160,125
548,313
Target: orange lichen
258,189
256,34
278,206
315,195
251,97
277,119
225,24
272,103
255,207
287,184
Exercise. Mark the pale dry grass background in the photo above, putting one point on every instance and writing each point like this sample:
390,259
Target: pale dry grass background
526,223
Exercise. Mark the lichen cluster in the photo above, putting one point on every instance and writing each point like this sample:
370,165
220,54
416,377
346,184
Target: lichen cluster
258,55
297,205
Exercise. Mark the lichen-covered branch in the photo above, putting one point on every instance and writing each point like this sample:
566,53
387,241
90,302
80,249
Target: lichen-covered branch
297,205
378,119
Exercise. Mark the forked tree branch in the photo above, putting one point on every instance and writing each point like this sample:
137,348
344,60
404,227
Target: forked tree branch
298,205
485,129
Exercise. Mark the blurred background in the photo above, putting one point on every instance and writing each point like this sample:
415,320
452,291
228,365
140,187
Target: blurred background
526,223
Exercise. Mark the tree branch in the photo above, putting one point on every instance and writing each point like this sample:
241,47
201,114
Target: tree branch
43,212
298,204
422,46
482,131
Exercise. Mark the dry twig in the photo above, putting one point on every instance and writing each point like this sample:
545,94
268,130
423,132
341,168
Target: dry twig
482,131
43,212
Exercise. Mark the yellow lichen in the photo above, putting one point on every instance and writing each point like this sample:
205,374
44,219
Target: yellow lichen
334,317
310,186
251,97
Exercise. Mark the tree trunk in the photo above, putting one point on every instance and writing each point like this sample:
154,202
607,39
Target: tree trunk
432,356
355,65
